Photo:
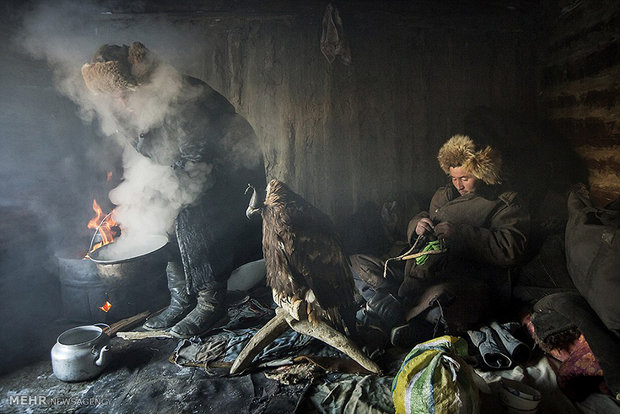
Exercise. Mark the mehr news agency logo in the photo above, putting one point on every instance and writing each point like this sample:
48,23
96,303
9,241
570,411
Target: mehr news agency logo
44,400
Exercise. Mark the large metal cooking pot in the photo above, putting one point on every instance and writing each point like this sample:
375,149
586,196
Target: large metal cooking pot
132,278
144,260
80,353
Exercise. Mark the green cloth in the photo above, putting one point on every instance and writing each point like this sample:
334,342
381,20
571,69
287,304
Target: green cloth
434,245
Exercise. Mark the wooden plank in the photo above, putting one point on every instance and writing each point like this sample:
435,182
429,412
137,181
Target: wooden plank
574,23
594,99
601,81
581,113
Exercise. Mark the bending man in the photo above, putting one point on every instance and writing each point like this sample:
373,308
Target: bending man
180,122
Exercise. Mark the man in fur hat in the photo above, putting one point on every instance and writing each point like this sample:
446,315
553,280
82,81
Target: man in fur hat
180,122
483,229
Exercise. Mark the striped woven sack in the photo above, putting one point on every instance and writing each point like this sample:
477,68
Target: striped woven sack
434,379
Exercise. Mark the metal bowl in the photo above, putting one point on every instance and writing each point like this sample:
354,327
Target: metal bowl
518,397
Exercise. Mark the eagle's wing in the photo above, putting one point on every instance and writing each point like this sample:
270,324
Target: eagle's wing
281,275
315,255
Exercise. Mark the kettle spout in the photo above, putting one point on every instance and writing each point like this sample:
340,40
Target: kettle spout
101,360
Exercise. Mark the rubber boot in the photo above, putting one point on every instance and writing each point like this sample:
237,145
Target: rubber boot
180,301
202,318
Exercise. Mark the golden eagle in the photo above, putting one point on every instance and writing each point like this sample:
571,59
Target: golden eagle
307,269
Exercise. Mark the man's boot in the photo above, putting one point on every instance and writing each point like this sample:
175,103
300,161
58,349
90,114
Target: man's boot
381,313
428,324
202,318
180,301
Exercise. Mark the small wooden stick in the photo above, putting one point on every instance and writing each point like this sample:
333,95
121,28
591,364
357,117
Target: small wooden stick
416,255
129,336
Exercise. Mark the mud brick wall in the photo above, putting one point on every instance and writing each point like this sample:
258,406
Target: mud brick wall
581,86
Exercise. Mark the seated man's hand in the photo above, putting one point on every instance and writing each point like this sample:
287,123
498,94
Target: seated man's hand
445,230
425,225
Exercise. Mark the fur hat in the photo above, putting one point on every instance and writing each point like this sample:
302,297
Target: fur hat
460,151
115,69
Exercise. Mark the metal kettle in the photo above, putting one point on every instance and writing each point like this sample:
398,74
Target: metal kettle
80,353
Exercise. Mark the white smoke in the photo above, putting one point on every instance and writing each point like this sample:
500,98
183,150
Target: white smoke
149,200
152,192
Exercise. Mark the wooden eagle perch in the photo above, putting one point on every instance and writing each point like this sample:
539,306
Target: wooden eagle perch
308,272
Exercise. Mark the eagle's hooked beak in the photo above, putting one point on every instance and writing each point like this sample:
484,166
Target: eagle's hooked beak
255,203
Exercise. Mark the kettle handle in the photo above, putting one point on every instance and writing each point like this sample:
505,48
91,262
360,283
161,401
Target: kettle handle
102,359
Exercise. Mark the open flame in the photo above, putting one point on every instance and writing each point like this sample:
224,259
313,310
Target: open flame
104,225
106,306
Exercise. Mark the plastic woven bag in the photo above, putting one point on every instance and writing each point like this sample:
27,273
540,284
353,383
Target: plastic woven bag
434,379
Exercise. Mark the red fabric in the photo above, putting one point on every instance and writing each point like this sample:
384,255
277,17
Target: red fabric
580,374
